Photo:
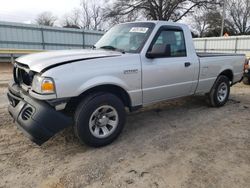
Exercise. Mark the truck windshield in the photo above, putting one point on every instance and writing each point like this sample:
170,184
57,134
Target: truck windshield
129,37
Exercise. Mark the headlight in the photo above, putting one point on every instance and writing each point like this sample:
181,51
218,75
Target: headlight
43,85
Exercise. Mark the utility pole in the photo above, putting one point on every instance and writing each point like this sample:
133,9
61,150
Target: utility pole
223,18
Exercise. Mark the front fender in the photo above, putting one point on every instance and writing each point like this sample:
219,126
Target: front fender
101,80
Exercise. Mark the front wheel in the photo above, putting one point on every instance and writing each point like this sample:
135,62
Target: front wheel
220,91
99,119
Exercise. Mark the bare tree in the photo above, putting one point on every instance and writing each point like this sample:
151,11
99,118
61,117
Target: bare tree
207,23
173,10
199,22
46,18
85,14
111,18
91,14
239,15
96,16
72,20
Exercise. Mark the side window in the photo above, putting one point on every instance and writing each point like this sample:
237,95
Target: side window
172,41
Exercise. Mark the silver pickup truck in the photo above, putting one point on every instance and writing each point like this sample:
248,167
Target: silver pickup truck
131,66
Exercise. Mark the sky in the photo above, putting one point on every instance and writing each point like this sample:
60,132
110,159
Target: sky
25,11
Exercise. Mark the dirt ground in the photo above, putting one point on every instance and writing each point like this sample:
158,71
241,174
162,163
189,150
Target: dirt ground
183,143
5,73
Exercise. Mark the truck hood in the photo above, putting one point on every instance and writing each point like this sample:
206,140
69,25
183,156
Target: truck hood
39,62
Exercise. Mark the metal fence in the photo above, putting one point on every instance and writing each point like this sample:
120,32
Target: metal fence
235,44
26,36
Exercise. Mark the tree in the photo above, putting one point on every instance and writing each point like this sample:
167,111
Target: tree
90,14
173,10
237,20
72,20
46,18
207,22
96,16
199,23
214,19
113,17
116,19
239,14
86,14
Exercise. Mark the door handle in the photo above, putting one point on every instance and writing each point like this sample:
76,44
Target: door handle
187,64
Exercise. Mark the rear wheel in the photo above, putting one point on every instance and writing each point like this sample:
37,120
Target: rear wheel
220,91
99,119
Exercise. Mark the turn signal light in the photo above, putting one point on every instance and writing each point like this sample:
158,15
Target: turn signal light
47,86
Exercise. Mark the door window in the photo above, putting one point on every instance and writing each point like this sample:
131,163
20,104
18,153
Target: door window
171,40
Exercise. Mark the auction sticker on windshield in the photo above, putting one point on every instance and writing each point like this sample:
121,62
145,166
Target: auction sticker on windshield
138,30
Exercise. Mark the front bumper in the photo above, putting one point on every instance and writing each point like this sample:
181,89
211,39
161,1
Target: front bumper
37,119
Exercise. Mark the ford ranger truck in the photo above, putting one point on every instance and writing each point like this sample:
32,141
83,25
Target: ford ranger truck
133,65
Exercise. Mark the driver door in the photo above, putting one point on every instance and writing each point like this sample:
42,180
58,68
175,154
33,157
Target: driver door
169,74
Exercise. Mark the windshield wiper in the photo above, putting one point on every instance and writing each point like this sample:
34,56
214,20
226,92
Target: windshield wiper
112,48
108,47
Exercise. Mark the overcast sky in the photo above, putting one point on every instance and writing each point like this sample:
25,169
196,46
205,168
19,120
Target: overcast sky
26,10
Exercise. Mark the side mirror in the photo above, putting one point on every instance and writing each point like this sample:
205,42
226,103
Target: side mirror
159,50
151,55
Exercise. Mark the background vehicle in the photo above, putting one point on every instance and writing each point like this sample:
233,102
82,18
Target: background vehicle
132,65
246,76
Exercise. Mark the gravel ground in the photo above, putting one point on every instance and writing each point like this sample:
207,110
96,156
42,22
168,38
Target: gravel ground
182,143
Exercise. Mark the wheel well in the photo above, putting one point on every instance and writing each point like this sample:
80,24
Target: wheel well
116,90
228,73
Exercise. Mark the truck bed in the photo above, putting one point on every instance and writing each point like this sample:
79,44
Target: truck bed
207,54
213,64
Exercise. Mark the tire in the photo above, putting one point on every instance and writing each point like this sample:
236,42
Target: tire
246,81
99,119
220,91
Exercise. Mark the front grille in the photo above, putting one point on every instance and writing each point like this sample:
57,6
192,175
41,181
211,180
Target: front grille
26,77
21,76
